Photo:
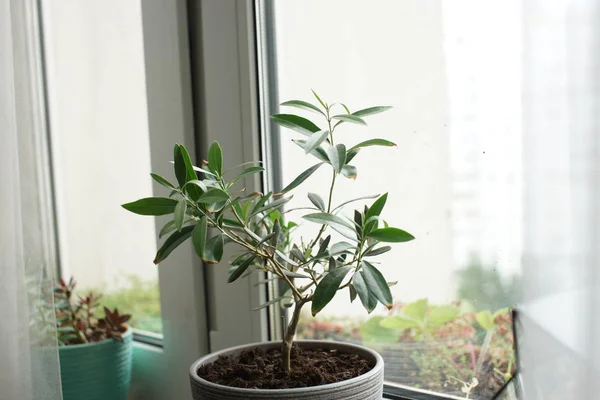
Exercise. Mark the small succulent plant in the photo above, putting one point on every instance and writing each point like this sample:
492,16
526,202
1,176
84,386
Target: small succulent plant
76,317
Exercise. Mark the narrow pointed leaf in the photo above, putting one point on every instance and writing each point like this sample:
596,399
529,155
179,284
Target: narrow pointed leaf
301,178
328,219
352,293
371,110
213,196
377,284
319,152
315,141
294,274
304,105
319,99
337,156
152,206
373,142
346,108
341,247
353,200
162,181
166,229
317,201
195,182
350,118
249,170
327,288
184,170
199,237
296,123
350,154
377,207
179,214
332,264
368,300
324,244
268,303
215,158
272,205
390,235
378,251
172,242
241,269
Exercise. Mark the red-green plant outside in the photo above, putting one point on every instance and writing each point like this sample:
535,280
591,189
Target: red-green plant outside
210,207
452,350
76,317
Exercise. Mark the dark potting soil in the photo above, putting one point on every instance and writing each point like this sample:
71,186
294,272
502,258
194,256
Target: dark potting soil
257,369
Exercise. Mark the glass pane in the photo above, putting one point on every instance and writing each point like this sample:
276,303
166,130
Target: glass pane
101,148
452,72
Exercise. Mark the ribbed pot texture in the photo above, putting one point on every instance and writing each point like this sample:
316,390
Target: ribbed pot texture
97,371
365,387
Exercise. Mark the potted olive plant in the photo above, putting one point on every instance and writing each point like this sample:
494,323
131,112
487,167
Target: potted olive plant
209,207
95,353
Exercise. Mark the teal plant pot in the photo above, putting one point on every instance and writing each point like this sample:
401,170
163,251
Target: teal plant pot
97,371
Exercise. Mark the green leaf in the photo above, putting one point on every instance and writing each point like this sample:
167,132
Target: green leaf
215,158
213,252
378,251
301,178
398,322
442,314
199,237
319,99
315,141
296,123
319,152
241,269
213,196
368,300
350,118
341,247
353,293
272,205
332,264
167,228
377,284
416,310
349,171
327,288
152,206
390,235
328,219
317,201
249,170
162,181
356,199
371,110
268,303
304,105
195,182
346,108
484,319
372,142
323,245
172,242
350,154
337,156
377,207
185,169
179,216
373,333
179,165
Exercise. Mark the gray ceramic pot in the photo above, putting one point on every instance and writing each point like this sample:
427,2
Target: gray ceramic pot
365,387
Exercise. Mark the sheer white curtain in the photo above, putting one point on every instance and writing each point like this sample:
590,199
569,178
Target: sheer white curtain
561,340
28,348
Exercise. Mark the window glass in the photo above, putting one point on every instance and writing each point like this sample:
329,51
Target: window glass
452,71
101,152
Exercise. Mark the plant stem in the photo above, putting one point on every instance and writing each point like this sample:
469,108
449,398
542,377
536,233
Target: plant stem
288,340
